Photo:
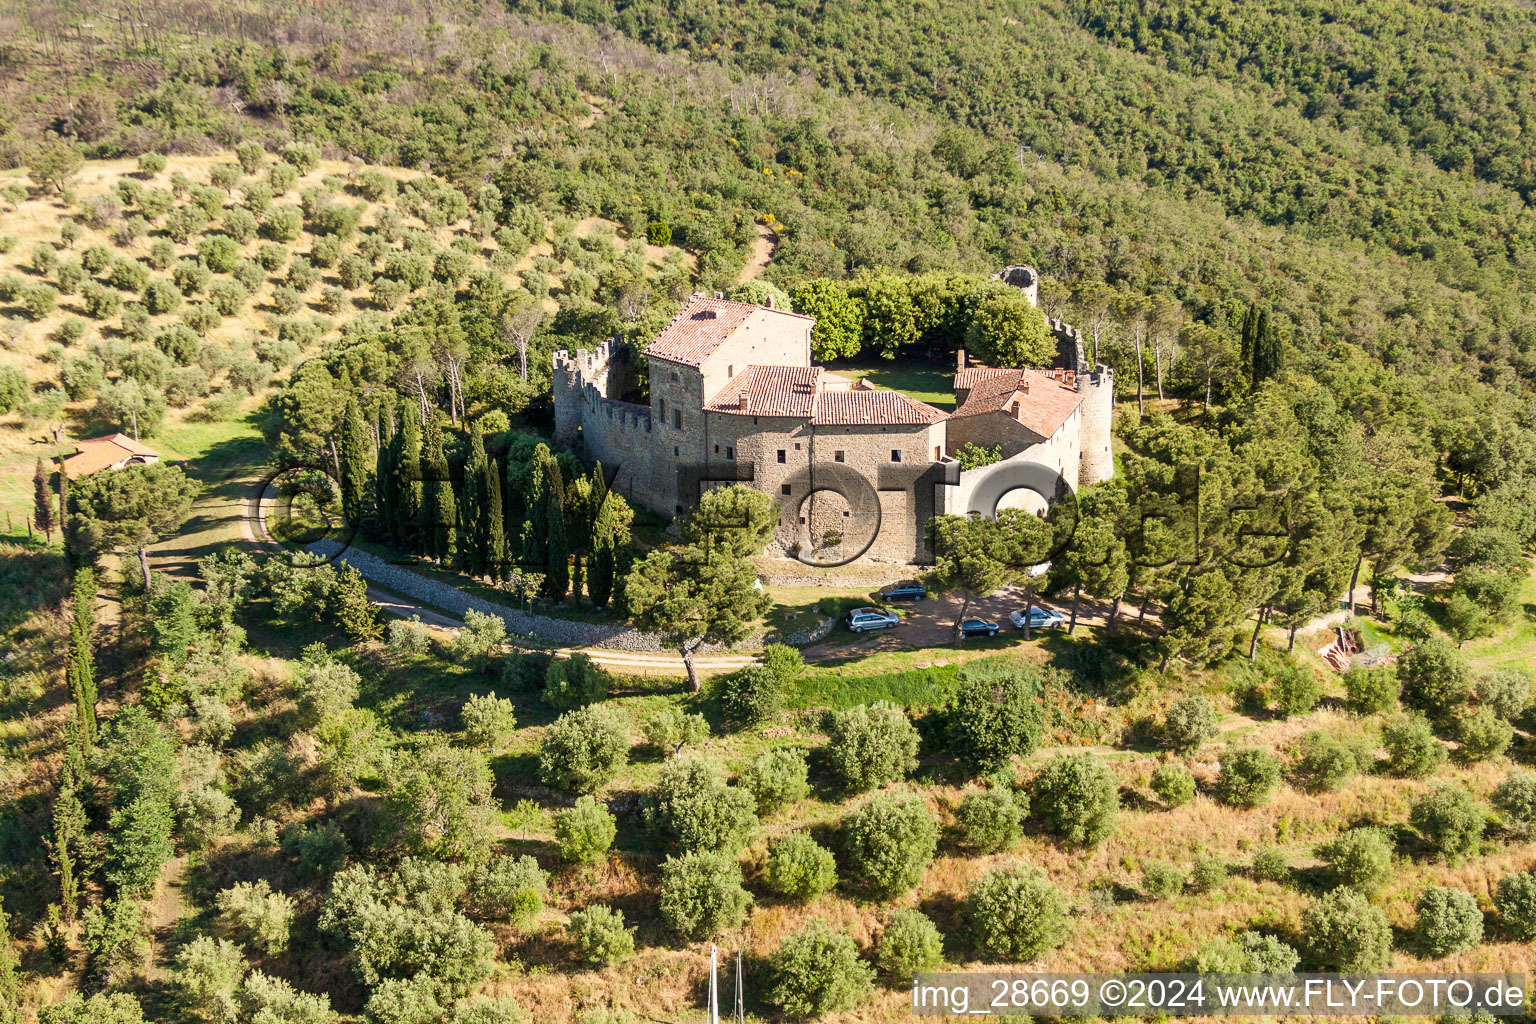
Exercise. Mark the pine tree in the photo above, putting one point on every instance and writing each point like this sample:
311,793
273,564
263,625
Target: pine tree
354,465
405,457
42,501
82,661
495,533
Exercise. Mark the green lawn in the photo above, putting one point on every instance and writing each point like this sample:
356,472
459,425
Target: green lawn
930,381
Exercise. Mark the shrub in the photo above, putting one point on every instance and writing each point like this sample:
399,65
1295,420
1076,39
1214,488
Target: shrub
1449,921
409,636
1207,875
1296,691
574,681
776,779
996,714
701,894
749,696
204,813
671,728
1016,913
101,302
282,223
269,257
71,330
228,297
286,301
1324,763
1271,865
1076,798
478,640
1174,784
889,842
599,936
190,276
324,688
785,662
817,971
1266,954
1515,799
40,299
321,850
1247,776
151,163
585,832
209,973
1515,900
1360,859
1160,881
871,745
799,868
509,889
1412,749
1449,820
1507,692
910,944
257,914
489,721
990,819
1189,722
1344,932
1483,735
219,253
1435,676
304,156
584,748
697,810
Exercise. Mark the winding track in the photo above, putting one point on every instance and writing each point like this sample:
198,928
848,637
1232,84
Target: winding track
254,525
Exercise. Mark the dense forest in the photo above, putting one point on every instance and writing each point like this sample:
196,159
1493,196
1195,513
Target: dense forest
324,256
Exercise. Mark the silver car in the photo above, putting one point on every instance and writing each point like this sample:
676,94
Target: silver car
861,619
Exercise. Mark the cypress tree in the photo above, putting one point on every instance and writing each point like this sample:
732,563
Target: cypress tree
81,670
382,522
42,501
474,535
406,471
439,510
1268,355
354,465
1249,341
557,571
495,533
600,564
69,830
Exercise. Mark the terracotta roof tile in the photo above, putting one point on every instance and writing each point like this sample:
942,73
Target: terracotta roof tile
701,327
872,408
97,453
770,391
1045,399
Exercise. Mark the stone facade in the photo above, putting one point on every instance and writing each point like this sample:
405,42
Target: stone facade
855,472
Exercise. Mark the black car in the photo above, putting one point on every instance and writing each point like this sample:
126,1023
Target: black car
904,590
978,627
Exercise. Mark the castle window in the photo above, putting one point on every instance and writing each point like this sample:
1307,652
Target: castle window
663,402
785,489
730,453
781,455
717,449
895,454
802,520
837,456
677,418
675,377
797,446
938,453
675,452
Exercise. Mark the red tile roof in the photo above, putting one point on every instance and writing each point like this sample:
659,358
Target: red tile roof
871,408
701,327
1046,399
97,453
770,391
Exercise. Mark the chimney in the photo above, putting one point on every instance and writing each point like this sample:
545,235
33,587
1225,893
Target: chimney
959,359
743,401
705,314
1024,386
769,303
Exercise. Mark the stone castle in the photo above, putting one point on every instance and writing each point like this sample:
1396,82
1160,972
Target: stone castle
855,471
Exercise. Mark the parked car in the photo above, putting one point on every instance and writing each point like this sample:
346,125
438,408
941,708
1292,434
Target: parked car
904,590
861,619
978,627
1039,618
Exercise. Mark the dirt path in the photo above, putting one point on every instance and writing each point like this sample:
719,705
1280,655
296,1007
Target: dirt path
762,252
164,911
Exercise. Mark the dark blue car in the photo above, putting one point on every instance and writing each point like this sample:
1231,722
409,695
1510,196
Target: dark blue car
978,627
904,590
